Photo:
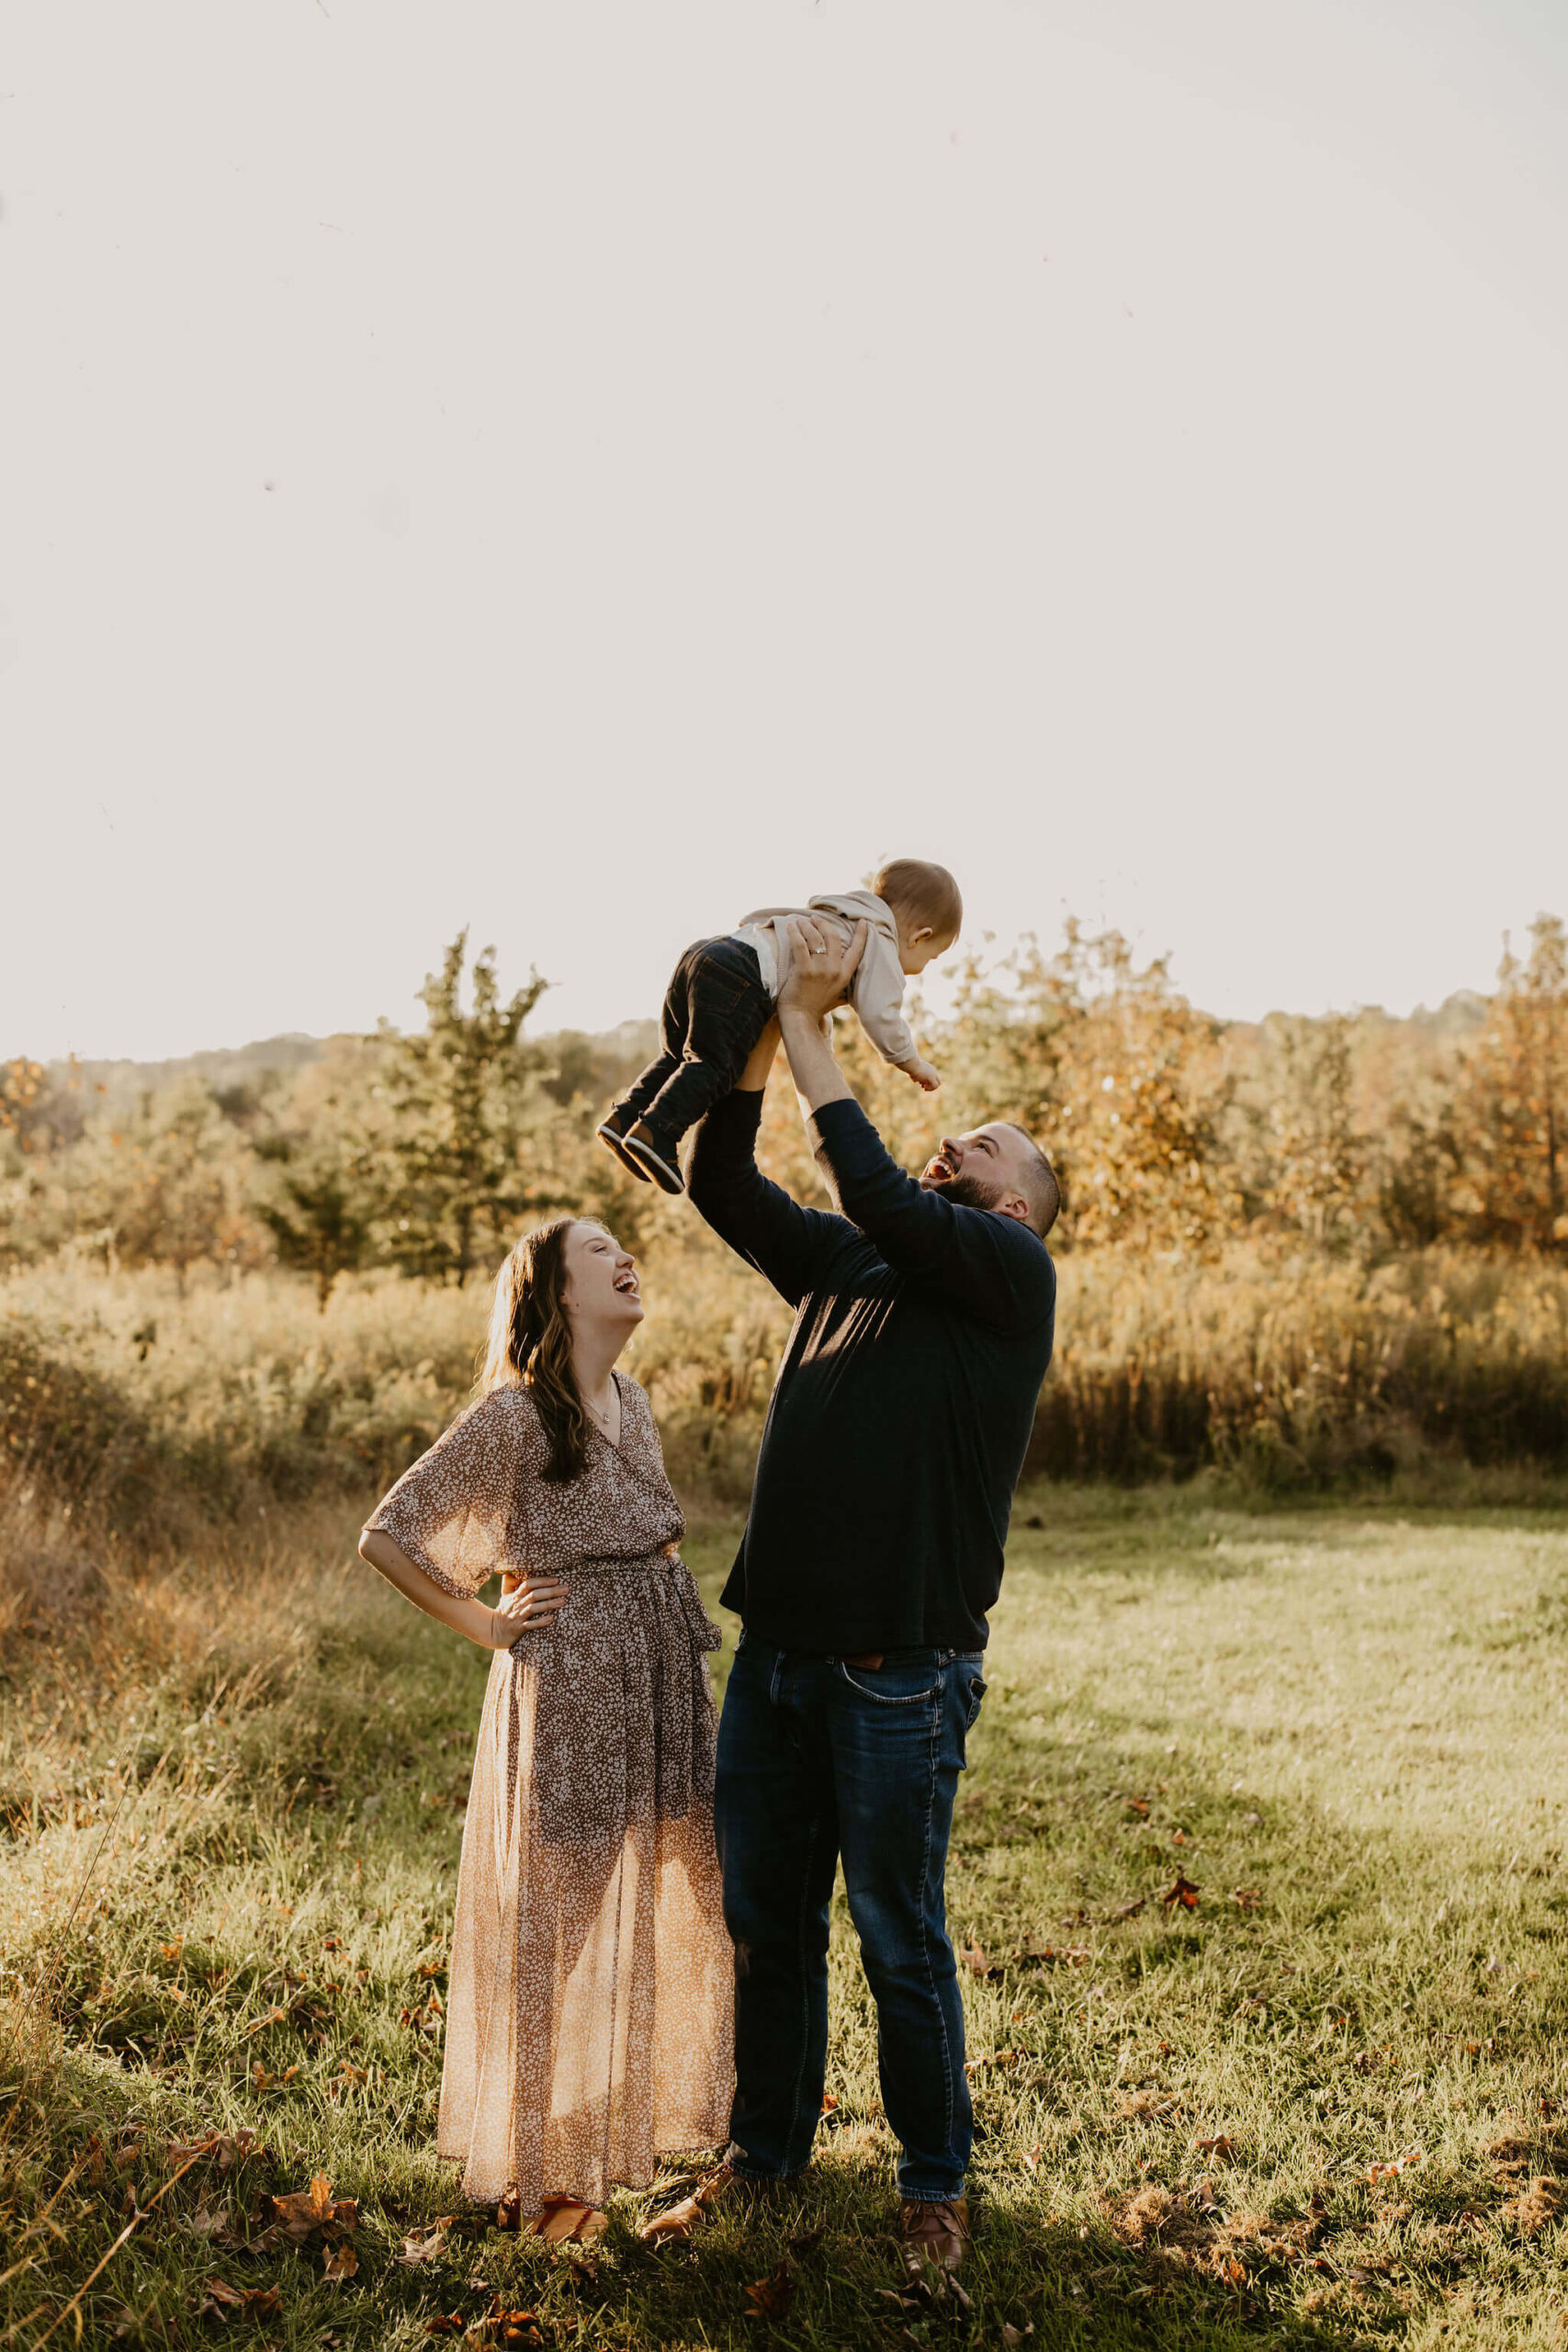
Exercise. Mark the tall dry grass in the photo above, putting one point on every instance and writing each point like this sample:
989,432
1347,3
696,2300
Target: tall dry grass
1299,1370
156,1414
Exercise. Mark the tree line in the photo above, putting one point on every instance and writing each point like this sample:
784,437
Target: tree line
1172,1132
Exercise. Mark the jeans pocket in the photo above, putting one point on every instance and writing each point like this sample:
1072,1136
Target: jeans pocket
973,1695
887,1686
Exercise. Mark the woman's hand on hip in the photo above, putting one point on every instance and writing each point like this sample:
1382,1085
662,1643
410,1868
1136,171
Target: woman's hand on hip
531,1603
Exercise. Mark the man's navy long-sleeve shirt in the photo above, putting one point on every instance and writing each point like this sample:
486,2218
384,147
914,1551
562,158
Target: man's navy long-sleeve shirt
903,1407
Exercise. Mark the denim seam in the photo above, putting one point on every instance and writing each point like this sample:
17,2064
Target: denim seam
884,1697
791,2142
775,1680
925,1937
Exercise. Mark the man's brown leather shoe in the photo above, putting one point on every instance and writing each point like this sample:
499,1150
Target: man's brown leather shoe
938,2233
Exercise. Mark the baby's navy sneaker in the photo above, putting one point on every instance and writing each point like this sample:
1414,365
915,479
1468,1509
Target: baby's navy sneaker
614,1138
657,1156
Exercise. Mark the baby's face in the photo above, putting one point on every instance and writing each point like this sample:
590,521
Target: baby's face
922,946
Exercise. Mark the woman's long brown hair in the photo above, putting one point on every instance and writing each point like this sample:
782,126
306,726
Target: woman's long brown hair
530,1343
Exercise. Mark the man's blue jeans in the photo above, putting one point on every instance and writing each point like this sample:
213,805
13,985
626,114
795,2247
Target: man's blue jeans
819,1759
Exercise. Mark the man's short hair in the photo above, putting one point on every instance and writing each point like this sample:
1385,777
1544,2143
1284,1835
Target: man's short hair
1040,1187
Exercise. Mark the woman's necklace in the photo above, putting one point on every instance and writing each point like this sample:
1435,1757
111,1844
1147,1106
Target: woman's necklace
603,1418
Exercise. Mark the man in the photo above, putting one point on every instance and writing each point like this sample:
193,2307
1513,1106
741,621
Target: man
923,1327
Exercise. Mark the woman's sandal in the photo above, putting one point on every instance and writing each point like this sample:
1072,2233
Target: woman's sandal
566,2221
679,2221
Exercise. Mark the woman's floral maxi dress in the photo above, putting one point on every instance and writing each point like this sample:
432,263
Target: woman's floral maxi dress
590,2003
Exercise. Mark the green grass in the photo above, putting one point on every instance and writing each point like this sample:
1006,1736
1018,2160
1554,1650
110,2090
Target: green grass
1352,1717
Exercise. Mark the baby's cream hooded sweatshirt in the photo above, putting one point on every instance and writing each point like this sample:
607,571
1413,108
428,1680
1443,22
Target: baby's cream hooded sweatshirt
876,991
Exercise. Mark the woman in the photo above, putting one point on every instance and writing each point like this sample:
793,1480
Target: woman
589,2011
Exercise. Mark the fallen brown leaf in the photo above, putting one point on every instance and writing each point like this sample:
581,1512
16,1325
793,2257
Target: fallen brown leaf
221,2294
1183,1893
1540,2203
1014,2337
509,2208
303,2211
504,2325
1246,1898
1224,2147
423,2248
771,2298
243,2148
340,2262
207,2223
306,2209
1395,2165
256,2302
1039,1955
446,2324
1150,2106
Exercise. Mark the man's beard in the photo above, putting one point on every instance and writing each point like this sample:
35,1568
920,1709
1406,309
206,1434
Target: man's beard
968,1192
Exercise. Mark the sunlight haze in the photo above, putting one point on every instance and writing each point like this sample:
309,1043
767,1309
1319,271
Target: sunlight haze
583,472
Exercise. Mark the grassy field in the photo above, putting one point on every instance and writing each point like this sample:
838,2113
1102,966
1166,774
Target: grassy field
1259,1869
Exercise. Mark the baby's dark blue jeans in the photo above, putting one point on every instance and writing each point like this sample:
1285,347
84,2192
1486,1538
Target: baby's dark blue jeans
714,1010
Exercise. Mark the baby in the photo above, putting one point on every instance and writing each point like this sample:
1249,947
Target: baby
722,998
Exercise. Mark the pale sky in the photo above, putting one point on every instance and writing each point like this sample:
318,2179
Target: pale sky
583,470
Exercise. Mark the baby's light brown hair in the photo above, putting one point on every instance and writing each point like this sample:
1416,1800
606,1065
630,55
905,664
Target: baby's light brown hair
920,894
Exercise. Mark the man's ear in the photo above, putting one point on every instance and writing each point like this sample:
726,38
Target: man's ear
1013,1204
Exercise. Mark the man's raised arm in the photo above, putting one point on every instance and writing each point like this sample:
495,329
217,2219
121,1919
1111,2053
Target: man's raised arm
994,1265
758,1220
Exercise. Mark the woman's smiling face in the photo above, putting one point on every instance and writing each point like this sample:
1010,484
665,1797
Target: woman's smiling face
601,1283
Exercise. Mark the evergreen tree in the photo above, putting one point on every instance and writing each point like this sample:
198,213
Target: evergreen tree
466,1150
321,1207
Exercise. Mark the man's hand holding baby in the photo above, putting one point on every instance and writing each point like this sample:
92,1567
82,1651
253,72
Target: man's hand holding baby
819,970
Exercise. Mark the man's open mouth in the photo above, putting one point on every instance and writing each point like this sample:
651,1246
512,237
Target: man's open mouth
941,1169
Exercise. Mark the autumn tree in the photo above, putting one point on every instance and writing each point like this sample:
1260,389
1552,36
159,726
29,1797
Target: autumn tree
1511,1105
165,1184
1116,1076
1313,1176
21,1084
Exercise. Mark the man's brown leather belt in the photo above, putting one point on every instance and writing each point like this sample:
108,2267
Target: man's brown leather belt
872,1657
